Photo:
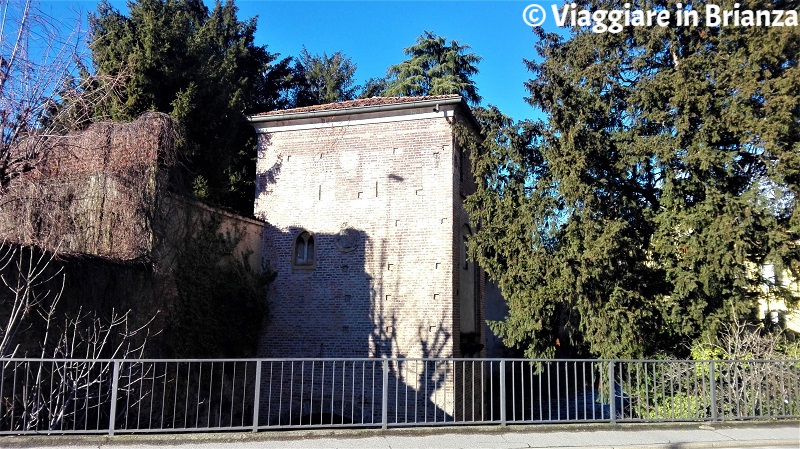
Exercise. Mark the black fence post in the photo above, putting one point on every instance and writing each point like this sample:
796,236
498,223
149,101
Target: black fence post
385,395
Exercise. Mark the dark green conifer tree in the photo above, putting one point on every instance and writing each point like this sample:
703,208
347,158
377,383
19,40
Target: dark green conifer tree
638,217
374,87
435,67
203,68
324,79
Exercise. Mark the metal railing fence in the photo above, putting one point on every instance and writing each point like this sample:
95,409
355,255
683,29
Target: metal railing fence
108,396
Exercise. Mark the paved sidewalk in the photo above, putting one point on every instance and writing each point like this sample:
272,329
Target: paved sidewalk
603,436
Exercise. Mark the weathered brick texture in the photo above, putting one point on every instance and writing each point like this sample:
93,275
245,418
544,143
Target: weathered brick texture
381,193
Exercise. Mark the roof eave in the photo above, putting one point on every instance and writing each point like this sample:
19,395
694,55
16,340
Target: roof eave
256,119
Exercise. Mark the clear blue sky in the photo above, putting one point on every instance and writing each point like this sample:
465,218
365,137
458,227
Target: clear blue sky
374,33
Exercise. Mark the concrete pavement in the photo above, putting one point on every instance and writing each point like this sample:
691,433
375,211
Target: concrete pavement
599,436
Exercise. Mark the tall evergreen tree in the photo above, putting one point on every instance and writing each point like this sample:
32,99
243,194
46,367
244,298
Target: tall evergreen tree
202,67
435,67
374,87
636,219
324,79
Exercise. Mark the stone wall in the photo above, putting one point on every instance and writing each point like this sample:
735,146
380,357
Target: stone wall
101,203
183,217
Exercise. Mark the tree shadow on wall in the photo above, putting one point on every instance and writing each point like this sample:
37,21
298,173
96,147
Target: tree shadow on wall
421,389
269,175
332,307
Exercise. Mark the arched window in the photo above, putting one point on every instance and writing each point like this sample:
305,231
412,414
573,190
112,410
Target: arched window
304,255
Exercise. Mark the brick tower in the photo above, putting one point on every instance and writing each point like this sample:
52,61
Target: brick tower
366,230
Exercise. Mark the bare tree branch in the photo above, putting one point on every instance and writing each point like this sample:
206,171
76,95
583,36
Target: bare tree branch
31,292
42,92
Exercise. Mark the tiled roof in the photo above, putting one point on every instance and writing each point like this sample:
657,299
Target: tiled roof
362,102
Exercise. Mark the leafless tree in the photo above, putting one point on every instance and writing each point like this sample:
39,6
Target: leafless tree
43,95
42,92
22,273
75,389
748,383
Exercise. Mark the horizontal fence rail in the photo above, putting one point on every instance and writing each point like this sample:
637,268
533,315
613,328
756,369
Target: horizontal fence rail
56,396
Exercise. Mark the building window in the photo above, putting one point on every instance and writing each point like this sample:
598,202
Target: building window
304,255
464,254
465,234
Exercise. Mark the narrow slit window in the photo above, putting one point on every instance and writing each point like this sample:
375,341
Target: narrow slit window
464,254
466,233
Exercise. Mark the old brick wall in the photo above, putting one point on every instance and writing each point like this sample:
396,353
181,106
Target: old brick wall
101,201
388,182
96,193
182,218
382,194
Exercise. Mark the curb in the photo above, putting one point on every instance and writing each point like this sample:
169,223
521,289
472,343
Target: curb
308,435
695,445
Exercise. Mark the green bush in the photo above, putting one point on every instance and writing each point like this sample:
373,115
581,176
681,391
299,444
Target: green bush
221,302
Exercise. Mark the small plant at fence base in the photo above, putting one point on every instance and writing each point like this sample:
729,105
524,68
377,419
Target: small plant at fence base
248,394
668,390
69,395
728,378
